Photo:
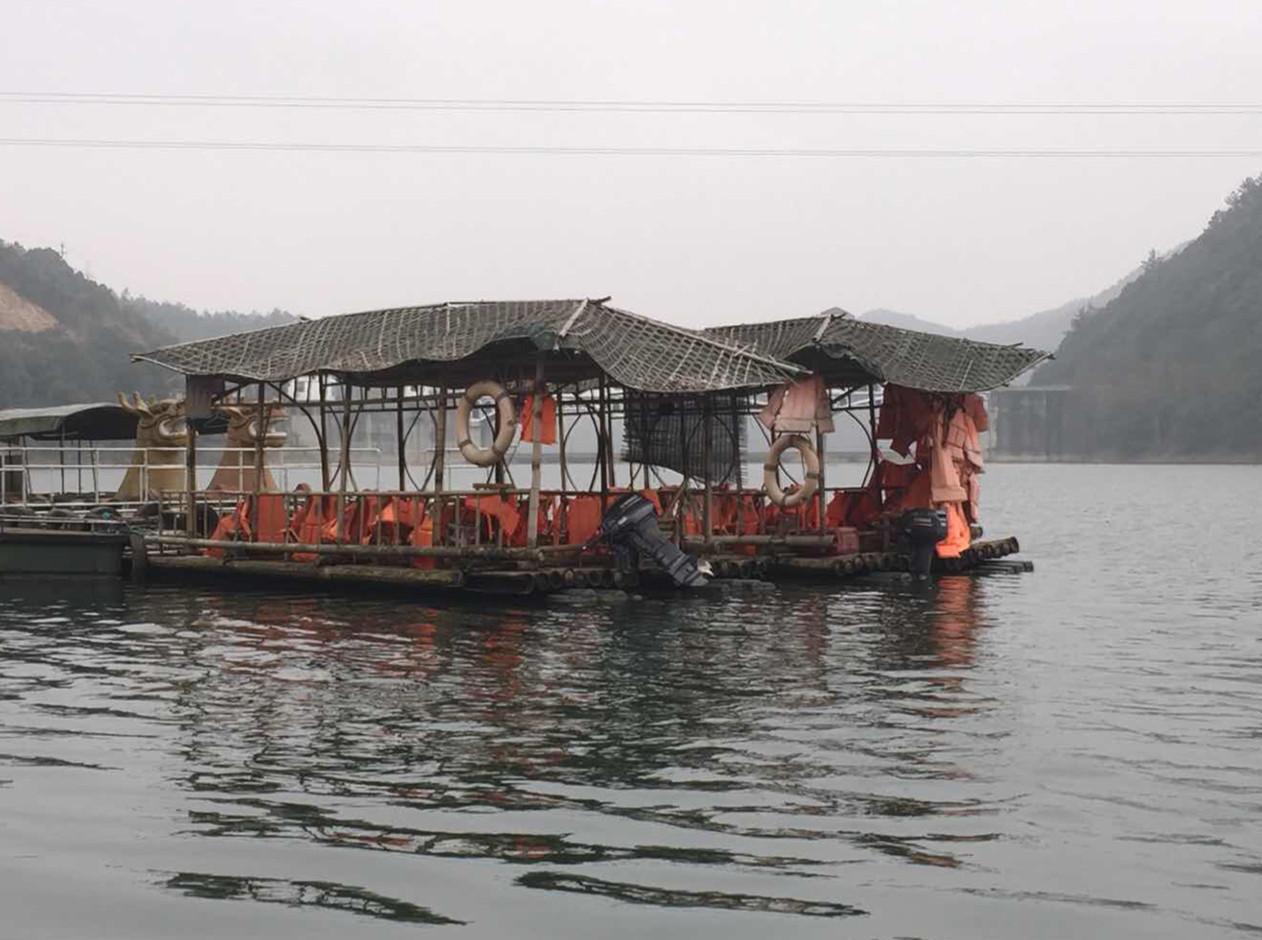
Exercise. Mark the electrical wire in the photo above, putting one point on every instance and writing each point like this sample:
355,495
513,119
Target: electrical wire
625,106
588,150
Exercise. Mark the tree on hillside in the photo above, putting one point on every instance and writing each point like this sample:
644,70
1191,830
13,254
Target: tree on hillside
1172,367
88,358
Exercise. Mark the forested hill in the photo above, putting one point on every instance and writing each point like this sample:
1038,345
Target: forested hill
64,338
1172,367
188,324
1042,330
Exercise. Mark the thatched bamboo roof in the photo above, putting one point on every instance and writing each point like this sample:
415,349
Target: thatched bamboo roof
459,343
852,352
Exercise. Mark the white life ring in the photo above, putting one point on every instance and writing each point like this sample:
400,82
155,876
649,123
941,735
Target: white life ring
485,456
810,460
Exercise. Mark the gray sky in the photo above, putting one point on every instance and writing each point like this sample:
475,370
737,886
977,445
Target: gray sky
698,240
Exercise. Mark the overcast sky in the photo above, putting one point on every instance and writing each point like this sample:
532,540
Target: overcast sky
695,239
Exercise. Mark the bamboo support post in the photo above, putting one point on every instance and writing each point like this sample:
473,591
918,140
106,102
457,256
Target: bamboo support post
536,455
400,455
876,450
707,505
561,441
345,460
602,435
607,411
822,493
440,464
190,481
260,432
326,479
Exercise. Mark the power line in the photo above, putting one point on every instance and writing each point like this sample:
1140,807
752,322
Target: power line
516,150
627,105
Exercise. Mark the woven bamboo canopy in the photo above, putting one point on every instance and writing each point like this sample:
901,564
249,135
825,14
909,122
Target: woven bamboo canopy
459,343
582,340
847,351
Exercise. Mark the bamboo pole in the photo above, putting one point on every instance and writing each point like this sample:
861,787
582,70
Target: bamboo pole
607,409
707,504
325,479
536,455
602,432
467,552
561,440
682,500
821,494
812,540
260,432
398,434
440,465
190,480
350,574
440,439
345,460
876,450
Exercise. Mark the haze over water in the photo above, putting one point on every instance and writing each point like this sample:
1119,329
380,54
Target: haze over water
1073,752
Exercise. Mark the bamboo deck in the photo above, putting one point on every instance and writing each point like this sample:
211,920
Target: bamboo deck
507,578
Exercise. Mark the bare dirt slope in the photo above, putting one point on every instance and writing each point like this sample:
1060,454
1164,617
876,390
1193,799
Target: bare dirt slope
18,313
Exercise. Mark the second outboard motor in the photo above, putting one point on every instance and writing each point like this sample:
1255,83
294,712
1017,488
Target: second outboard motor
630,526
923,529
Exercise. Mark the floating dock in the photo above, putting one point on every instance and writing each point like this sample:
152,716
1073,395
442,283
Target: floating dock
674,417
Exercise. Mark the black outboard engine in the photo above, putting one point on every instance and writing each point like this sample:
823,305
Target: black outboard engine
923,529
630,526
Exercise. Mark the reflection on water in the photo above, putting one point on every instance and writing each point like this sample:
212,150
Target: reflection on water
333,897
980,758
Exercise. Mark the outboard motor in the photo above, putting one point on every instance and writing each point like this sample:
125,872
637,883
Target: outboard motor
923,529
630,526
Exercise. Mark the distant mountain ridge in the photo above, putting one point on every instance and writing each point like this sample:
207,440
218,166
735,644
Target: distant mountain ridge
65,338
1043,330
188,324
1171,368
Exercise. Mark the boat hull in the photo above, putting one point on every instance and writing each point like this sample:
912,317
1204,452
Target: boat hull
57,552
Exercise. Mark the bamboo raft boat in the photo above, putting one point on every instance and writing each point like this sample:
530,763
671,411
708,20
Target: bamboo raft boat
664,414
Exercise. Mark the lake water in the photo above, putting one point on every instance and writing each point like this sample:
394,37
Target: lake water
1075,752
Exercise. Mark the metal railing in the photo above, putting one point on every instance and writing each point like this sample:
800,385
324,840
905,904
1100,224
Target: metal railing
90,476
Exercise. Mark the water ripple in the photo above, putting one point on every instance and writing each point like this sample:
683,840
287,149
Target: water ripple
1072,751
